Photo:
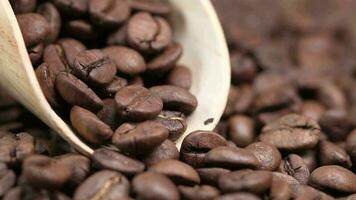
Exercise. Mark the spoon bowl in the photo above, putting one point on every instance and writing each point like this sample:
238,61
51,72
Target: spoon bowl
205,52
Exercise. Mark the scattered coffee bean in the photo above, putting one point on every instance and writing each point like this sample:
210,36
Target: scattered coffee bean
109,13
174,122
331,154
211,175
166,150
267,154
51,14
180,76
294,166
15,147
34,28
241,130
80,166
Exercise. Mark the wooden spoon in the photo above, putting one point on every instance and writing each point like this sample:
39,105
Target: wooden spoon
205,52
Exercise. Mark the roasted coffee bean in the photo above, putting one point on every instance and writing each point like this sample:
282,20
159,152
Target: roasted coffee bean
109,13
34,28
284,177
51,14
241,130
291,132
79,164
312,109
176,98
23,6
246,180
71,48
332,154
268,155
118,37
76,92
81,30
333,177
243,68
310,159
294,166
197,144
89,126
211,175
15,147
179,172
137,103
166,60
127,61
148,33
336,125
351,146
150,185
301,192
180,76
280,190
7,179
45,172
35,53
331,96
94,67
231,158
139,139
55,57
72,7
46,78
109,114
112,88
107,159
239,196
166,150
103,185
157,7
174,122
203,192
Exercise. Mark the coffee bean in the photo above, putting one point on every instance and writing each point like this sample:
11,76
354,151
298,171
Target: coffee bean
179,172
331,96
333,177
203,192
280,190
34,28
127,61
284,177
331,154
72,7
150,185
103,185
76,92
245,180
241,130
176,98
94,67
15,147
231,158
51,14
23,6
43,171
117,37
46,78
211,175
301,192
174,122
89,126
112,88
79,164
7,179
35,53
55,57
239,196
294,166
310,159
71,48
268,155
108,114
336,125
243,68
351,146
147,33
107,159
180,76
109,13
139,139
197,144
291,132
81,30
312,109
138,103
166,60
166,150
157,7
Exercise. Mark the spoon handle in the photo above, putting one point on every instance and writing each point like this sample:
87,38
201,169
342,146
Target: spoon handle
18,78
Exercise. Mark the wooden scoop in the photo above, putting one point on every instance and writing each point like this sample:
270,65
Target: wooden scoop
205,52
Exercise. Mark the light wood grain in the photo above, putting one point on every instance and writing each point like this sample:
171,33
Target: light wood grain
205,53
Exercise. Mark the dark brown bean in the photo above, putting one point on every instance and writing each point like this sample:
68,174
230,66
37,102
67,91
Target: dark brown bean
166,150
180,76
138,103
174,122
107,159
81,30
34,28
71,48
211,175
243,68
179,172
280,190
76,92
55,57
294,166
176,98
109,13
336,124
166,60
51,14
15,147
35,53
312,109
267,154
203,192
112,88
241,130
139,139
109,114
89,126
332,154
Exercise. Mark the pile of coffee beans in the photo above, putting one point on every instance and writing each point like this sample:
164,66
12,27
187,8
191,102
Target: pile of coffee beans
288,130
